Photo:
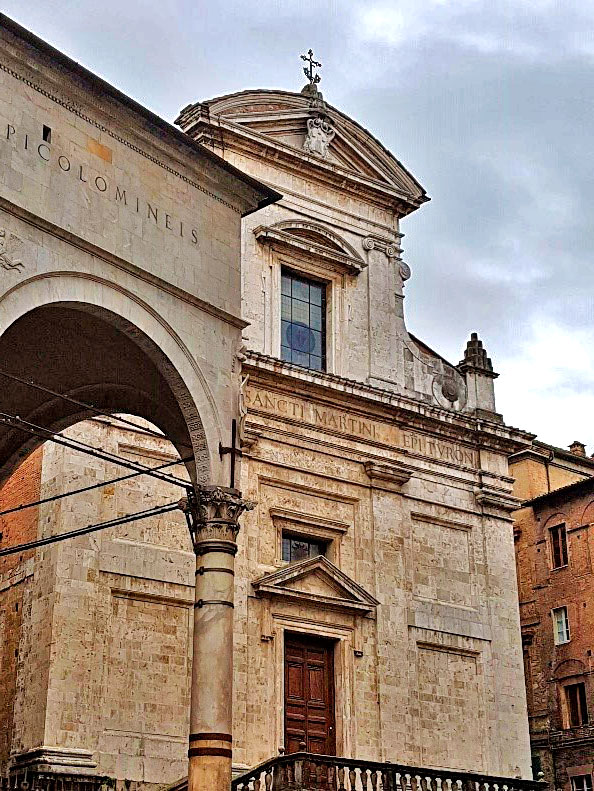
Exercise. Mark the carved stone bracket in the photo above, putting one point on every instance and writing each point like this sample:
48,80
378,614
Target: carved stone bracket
389,477
495,498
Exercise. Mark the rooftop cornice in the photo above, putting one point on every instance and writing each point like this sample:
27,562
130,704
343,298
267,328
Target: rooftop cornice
254,195
510,439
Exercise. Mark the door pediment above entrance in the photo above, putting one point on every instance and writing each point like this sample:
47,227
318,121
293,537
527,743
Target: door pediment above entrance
319,582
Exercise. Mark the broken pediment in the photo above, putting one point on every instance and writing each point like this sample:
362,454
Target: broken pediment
319,582
309,127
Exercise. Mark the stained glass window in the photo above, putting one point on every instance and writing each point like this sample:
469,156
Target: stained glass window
303,321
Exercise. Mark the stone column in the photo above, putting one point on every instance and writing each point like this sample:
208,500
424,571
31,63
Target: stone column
214,523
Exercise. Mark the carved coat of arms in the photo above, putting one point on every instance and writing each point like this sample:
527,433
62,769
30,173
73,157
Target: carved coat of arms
10,246
319,137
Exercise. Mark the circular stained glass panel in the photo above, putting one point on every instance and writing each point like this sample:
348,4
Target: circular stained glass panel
300,337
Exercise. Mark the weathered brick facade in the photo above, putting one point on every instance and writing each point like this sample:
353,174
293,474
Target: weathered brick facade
554,546
18,528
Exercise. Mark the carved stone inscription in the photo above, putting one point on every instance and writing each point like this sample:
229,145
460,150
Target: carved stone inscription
339,421
439,449
335,421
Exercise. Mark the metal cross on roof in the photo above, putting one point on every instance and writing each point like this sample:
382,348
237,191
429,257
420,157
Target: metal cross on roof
309,72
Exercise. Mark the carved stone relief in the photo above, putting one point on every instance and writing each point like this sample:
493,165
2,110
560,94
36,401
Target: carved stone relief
319,136
10,247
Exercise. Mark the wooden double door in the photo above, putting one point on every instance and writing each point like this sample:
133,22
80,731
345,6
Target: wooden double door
309,695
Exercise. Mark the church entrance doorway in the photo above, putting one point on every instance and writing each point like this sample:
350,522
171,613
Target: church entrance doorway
309,695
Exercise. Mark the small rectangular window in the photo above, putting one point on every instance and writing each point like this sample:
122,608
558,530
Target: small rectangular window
577,708
297,548
558,536
47,134
581,783
561,625
303,321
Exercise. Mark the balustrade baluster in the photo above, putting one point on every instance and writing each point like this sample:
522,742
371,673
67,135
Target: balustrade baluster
341,786
268,779
318,775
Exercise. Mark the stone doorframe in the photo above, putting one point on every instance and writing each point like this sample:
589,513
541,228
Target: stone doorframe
343,677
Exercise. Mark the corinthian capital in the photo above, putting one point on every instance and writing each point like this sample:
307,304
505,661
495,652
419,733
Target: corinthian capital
220,504
213,516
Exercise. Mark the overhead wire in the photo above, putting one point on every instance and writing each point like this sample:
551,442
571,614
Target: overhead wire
89,488
20,424
82,531
77,402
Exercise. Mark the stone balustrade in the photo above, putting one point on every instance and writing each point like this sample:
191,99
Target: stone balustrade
308,772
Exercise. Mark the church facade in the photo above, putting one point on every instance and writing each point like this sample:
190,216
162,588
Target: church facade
379,557
375,611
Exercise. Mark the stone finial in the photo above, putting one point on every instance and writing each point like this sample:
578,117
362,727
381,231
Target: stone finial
577,448
475,358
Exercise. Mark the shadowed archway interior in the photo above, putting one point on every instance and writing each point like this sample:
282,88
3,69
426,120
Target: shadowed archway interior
97,357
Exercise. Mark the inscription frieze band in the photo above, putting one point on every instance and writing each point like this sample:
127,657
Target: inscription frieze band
73,108
81,173
339,421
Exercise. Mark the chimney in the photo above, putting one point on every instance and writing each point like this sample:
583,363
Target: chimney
577,448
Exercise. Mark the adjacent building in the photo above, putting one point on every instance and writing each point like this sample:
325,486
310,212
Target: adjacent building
554,544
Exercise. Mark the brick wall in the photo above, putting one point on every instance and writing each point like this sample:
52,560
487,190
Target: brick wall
22,487
549,667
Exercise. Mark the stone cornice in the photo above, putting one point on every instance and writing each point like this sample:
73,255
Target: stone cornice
416,414
243,140
277,237
167,133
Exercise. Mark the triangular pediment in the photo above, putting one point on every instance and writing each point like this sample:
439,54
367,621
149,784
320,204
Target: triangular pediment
319,582
282,117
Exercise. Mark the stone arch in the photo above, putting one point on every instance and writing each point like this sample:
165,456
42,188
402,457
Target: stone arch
568,668
95,341
554,519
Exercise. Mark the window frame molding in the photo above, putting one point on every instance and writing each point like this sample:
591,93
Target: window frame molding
550,529
555,633
309,527
335,297
565,707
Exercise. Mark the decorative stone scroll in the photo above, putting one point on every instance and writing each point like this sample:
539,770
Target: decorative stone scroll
391,248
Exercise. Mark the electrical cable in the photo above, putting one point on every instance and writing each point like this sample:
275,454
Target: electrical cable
42,542
72,492
96,410
18,423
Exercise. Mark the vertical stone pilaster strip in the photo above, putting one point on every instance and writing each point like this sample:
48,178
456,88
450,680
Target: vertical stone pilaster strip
216,518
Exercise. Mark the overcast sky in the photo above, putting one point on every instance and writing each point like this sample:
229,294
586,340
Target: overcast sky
488,103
